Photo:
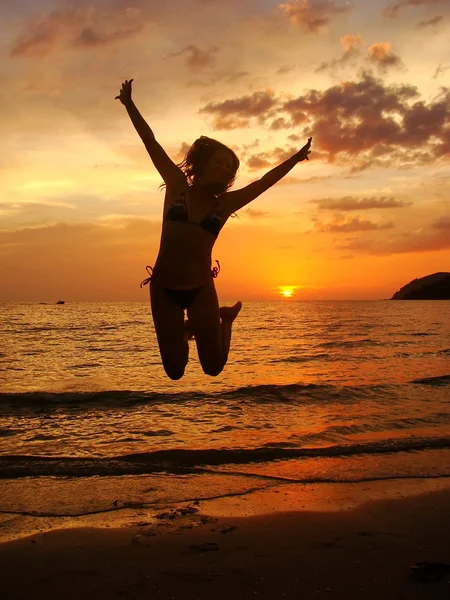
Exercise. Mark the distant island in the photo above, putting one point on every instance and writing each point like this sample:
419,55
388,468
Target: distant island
431,287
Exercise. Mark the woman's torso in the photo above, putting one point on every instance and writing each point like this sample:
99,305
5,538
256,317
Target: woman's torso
189,231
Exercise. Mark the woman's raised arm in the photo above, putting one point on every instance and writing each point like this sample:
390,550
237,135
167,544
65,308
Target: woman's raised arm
169,171
235,200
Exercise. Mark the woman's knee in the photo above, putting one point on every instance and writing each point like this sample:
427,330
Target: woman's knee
175,372
175,362
213,368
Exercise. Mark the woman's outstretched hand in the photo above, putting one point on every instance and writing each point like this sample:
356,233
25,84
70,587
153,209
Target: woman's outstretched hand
125,92
303,153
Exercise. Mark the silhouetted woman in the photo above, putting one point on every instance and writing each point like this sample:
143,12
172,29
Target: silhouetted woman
196,207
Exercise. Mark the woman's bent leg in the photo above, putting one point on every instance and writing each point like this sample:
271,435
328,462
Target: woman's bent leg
228,315
211,327
168,318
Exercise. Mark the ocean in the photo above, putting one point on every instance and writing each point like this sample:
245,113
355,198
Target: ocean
313,392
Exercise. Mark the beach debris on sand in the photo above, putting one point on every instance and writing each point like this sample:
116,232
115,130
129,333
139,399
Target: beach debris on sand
429,571
206,547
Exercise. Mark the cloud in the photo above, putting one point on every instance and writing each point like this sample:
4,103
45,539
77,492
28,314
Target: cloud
362,123
33,213
82,26
258,162
255,213
284,69
441,70
296,180
392,9
381,55
352,45
195,58
42,34
73,207
351,226
429,22
262,160
239,112
77,261
426,240
89,37
349,203
368,122
229,76
182,152
442,224
313,15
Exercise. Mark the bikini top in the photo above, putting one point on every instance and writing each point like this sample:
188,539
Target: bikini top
178,211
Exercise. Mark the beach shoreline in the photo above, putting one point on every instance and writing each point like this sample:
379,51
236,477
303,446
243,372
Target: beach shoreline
359,542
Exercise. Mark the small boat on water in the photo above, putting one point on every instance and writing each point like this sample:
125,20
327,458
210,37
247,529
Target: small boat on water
61,302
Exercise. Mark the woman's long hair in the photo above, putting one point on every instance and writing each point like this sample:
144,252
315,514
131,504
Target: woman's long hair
198,154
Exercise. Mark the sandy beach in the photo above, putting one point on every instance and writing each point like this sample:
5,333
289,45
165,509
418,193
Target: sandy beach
231,548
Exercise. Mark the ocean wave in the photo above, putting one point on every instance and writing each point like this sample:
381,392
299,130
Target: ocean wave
349,343
179,460
302,358
310,393
442,380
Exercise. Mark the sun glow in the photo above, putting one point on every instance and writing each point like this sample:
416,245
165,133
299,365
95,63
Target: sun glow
287,291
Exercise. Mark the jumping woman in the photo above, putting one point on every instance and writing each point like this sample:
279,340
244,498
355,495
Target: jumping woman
197,205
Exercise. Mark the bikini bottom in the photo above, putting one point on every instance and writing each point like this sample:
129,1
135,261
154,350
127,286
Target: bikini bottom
184,298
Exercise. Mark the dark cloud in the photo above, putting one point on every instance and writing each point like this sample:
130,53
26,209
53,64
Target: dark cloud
195,58
349,203
296,180
258,162
313,15
441,70
284,69
263,160
238,112
90,37
381,56
361,123
255,213
182,152
351,226
77,25
41,35
442,224
428,240
429,22
213,78
392,9
281,123
352,45
367,122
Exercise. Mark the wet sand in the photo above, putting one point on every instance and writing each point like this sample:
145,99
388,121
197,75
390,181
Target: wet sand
191,553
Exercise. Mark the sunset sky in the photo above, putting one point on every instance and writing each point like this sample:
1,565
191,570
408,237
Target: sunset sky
80,208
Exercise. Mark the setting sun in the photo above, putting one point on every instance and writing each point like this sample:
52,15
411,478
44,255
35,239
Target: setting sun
287,291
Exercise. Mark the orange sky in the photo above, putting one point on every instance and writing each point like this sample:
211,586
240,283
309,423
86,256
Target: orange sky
80,207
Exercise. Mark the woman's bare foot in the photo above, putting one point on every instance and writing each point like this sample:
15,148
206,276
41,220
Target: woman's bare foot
229,313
